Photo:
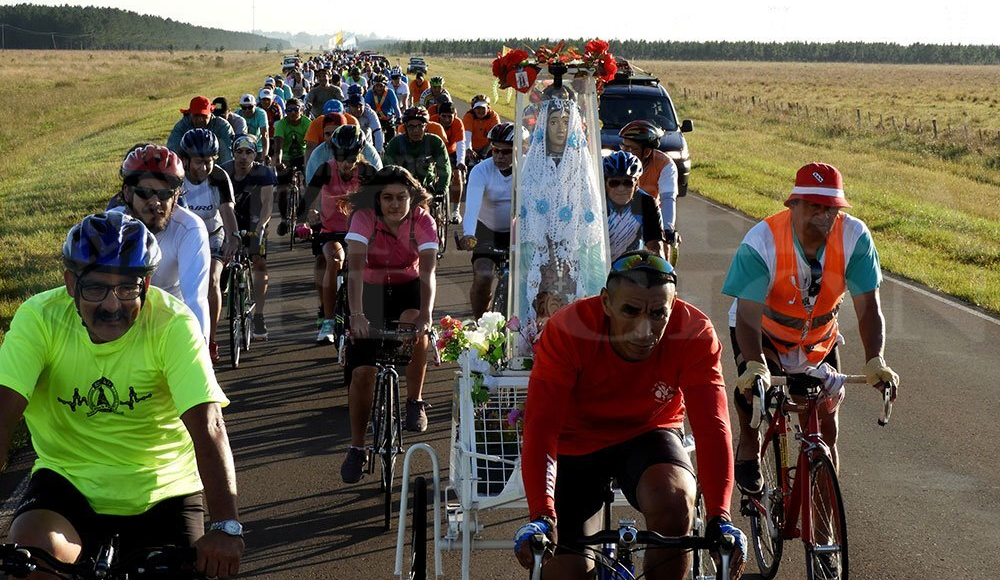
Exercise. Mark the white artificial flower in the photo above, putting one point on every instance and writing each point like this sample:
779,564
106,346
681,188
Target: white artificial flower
491,322
477,340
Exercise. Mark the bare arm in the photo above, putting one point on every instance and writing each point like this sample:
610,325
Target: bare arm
428,286
266,206
871,323
355,285
748,330
12,406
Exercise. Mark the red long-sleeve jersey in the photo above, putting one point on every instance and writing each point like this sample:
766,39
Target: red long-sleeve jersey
583,397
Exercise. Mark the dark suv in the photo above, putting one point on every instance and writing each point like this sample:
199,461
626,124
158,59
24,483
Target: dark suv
634,95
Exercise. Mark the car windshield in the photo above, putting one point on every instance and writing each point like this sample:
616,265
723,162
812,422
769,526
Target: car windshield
618,110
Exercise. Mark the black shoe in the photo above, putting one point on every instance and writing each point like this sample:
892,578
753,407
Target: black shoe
416,415
748,477
259,327
283,228
353,467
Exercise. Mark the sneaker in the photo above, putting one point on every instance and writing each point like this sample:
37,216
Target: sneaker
748,477
325,335
826,567
416,415
259,327
213,352
353,467
456,218
283,227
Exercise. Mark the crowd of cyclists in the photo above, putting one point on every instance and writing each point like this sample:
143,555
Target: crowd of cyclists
369,148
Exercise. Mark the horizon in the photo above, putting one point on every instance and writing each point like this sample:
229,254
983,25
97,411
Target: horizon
965,22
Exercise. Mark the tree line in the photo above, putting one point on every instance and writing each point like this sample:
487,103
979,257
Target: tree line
862,52
27,26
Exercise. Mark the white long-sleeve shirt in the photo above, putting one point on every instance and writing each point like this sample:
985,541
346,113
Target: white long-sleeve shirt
487,199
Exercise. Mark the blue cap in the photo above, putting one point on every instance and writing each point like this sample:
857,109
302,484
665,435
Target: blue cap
333,106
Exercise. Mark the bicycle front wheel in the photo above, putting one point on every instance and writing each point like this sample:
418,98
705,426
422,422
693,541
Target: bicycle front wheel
235,319
702,564
418,563
248,304
767,514
500,296
826,555
442,216
391,442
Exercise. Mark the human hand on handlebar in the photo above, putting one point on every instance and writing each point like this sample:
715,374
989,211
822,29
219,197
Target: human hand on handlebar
755,369
718,527
878,374
523,543
219,554
466,243
360,329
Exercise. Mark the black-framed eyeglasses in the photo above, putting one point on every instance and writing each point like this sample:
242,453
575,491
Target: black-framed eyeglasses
98,292
614,182
638,261
815,275
498,151
147,193
292,109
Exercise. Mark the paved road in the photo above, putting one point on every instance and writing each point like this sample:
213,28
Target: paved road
922,495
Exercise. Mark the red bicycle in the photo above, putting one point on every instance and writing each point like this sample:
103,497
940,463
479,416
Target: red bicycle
801,500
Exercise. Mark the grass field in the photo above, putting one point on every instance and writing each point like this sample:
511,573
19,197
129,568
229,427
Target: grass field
72,118
933,204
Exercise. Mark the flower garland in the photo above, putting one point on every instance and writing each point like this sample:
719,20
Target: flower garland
518,68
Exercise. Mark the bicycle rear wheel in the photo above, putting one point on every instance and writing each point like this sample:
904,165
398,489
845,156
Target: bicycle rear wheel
246,291
418,562
702,564
390,443
826,556
767,514
235,318
441,217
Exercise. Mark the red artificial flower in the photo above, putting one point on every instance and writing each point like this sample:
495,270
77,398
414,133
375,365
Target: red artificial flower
597,46
608,67
502,65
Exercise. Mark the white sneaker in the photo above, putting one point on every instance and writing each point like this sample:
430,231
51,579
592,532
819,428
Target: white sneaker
325,335
456,218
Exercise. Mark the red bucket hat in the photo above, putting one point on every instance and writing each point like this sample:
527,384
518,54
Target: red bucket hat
199,106
819,183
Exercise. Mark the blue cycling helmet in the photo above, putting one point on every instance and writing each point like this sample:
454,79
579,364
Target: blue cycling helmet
355,90
622,164
333,106
200,143
111,242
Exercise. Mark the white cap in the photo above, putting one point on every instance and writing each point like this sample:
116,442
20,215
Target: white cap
269,81
482,104
265,94
248,99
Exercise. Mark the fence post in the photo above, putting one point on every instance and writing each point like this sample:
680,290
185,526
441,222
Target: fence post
934,126
859,118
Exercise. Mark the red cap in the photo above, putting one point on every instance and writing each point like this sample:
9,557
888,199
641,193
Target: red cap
199,106
334,119
819,183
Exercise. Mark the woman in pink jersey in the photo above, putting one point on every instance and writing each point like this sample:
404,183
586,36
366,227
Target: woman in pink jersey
392,241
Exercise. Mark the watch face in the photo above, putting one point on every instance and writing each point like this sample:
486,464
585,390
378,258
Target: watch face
231,527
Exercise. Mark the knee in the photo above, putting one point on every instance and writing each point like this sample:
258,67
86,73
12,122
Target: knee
363,378
667,499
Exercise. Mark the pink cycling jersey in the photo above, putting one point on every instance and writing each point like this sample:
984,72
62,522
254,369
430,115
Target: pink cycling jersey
393,259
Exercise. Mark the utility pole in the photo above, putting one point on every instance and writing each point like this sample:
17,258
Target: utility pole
253,16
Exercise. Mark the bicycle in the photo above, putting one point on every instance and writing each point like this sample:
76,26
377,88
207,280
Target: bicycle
240,300
501,293
441,212
294,199
786,497
19,561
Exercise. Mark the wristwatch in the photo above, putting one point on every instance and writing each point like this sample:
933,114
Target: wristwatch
228,527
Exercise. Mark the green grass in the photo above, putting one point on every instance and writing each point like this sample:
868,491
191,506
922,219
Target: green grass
61,156
932,204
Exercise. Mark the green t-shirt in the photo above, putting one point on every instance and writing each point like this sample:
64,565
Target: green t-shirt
107,416
294,137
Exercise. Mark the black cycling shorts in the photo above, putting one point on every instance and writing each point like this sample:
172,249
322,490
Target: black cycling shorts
382,303
582,479
796,383
176,521
487,238
320,239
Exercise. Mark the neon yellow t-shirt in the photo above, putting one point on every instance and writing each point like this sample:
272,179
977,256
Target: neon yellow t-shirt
107,416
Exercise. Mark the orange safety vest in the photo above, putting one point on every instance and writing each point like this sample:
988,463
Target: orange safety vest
649,182
786,321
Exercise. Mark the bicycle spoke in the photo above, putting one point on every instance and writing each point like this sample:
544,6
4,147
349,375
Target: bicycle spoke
827,555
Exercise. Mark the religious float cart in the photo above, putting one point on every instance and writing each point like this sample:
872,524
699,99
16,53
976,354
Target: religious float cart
558,254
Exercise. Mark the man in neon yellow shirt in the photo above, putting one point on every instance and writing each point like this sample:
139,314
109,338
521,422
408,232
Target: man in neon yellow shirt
124,409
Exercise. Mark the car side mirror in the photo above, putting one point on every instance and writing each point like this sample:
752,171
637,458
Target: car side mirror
687,126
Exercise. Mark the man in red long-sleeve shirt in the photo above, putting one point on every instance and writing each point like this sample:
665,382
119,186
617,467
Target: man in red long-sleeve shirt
612,380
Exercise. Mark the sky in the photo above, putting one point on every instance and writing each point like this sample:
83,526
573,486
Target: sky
951,22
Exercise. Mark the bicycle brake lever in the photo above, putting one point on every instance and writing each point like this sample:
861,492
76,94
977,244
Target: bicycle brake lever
886,404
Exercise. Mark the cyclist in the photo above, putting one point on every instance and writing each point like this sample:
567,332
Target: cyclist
368,120
289,153
633,218
354,77
209,195
282,90
274,113
487,214
397,82
477,122
423,155
257,125
198,115
322,92
278,96
153,177
455,142
613,378
417,87
393,246
382,100
237,122
324,152
659,176
253,191
788,278
316,135
435,90
337,178
128,430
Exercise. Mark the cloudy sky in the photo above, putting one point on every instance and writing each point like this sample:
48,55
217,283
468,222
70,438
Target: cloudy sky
952,22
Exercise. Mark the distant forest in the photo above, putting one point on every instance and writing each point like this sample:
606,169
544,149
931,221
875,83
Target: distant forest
870,52
27,26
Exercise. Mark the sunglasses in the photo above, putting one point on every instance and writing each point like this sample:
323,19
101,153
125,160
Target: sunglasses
146,193
98,292
343,156
815,274
621,182
415,125
498,151
652,262
292,109
246,107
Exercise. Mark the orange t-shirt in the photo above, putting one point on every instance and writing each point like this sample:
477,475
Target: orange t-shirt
480,128
455,132
314,134
417,88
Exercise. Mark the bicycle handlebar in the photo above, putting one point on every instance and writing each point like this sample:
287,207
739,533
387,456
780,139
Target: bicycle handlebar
759,413
19,561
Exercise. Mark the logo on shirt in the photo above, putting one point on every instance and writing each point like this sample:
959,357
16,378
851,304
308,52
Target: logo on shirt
103,398
663,392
